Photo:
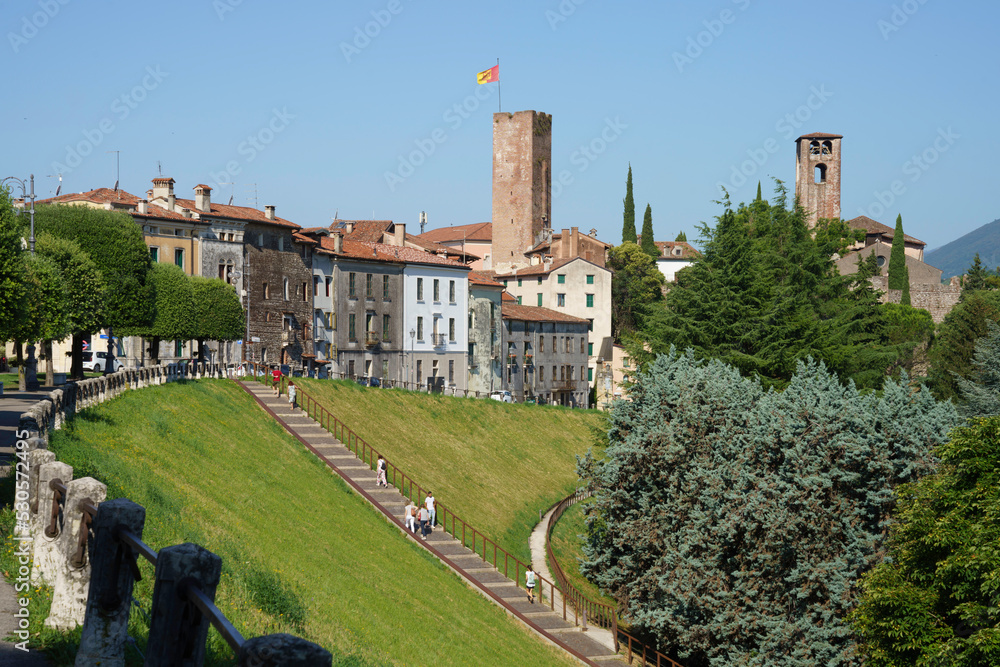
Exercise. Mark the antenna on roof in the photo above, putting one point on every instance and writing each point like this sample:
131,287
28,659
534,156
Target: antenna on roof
423,221
231,190
336,214
159,167
60,183
118,164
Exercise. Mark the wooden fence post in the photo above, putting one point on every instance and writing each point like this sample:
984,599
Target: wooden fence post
105,625
177,630
282,650
72,580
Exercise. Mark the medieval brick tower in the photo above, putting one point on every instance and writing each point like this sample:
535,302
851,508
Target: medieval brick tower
817,175
522,185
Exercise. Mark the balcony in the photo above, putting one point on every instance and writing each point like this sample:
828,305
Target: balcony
439,340
286,337
371,339
529,360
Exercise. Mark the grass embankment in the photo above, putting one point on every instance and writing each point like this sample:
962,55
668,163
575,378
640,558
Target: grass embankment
301,553
566,544
494,464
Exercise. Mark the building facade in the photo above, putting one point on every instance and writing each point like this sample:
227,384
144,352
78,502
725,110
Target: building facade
817,175
485,333
436,313
545,356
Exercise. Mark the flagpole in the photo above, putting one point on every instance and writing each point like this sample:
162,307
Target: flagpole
499,98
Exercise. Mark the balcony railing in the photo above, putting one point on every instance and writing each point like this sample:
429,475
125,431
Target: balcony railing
371,339
439,340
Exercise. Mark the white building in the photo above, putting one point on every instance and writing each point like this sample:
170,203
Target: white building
435,320
674,256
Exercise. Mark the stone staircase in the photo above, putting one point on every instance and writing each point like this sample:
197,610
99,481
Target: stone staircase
480,574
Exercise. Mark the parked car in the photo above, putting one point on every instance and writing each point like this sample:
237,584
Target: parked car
369,381
504,396
95,361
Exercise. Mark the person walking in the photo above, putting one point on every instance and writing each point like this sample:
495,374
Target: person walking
380,479
429,503
410,516
529,581
276,376
424,516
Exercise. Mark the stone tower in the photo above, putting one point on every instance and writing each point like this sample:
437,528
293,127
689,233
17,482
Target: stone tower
522,185
817,175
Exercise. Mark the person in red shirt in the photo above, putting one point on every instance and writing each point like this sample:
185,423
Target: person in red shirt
276,376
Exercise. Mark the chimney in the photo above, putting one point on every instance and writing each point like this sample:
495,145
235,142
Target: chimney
149,193
400,239
269,212
574,242
142,206
349,228
203,198
163,187
338,243
423,221
186,212
170,201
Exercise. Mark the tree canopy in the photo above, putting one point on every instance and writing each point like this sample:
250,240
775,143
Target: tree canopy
954,345
628,223
83,282
731,522
648,240
12,287
218,314
175,306
636,289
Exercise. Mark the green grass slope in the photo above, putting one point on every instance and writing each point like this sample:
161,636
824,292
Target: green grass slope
494,464
301,553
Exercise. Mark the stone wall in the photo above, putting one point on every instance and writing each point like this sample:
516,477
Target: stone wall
937,299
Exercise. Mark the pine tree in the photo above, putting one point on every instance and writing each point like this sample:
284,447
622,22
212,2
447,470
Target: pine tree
954,345
628,228
898,276
682,237
975,277
981,390
648,242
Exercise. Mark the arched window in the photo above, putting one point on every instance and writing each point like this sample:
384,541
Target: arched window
826,149
821,173
814,148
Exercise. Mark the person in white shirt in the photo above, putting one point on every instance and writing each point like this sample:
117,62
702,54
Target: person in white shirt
380,473
429,503
529,580
410,515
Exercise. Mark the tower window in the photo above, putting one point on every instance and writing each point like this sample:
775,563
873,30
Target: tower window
826,149
821,173
813,148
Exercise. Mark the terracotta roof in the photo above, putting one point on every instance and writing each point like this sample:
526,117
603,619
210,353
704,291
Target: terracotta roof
480,231
537,269
383,252
483,278
98,196
301,238
667,250
512,311
313,230
203,187
431,246
507,297
236,212
821,135
873,227
368,231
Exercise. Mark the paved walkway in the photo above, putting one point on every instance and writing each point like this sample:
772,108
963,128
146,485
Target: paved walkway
12,404
478,573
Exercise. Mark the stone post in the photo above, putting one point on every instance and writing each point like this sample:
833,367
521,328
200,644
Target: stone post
105,625
36,459
69,596
47,555
282,650
177,628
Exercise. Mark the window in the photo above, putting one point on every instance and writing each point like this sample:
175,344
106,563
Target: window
581,371
437,290
316,284
590,278
541,373
385,328
420,289
420,328
566,344
553,373
590,324
820,173
562,373
561,278
451,329
154,253
590,349
451,371
351,331
368,286
561,300
350,367
554,347
420,370
281,243
263,355
519,301
369,322
385,288
179,257
451,291
284,288
329,280
305,291
266,292
260,240
583,345
178,348
590,301
590,375
505,283
539,280
352,286
520,282
541,343
539,299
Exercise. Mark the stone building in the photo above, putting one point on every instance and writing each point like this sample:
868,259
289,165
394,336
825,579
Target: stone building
817,175
485,334
545,355
568,244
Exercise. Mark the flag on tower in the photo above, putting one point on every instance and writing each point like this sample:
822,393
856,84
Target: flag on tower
489,76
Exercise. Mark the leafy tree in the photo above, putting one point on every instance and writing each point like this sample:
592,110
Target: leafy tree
628,228
731,522
175,307
636,288
12,287
954,344
218,314
43,317
114,243
682,237
648,240
981,389
911,331
898,275
935,600
976,277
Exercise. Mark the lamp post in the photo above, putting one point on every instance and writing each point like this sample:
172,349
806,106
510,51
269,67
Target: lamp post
27,192
413,336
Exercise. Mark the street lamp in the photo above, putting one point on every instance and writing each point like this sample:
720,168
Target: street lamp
27,192
413,336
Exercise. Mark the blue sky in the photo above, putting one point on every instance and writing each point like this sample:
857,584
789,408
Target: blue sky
369,108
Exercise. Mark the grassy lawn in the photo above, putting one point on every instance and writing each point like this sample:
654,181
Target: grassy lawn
301,553
10,379
566,544
494,464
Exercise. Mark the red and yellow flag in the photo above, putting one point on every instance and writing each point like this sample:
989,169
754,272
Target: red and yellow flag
489,76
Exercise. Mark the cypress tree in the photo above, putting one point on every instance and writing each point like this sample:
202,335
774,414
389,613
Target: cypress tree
648,242
975,277
759,198
898,277
628,228
682,237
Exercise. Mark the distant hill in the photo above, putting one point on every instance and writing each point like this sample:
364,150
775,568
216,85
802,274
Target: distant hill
955,258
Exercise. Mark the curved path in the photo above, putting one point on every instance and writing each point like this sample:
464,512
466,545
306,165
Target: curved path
479,574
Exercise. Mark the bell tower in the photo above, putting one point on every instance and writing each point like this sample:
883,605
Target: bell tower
817,175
